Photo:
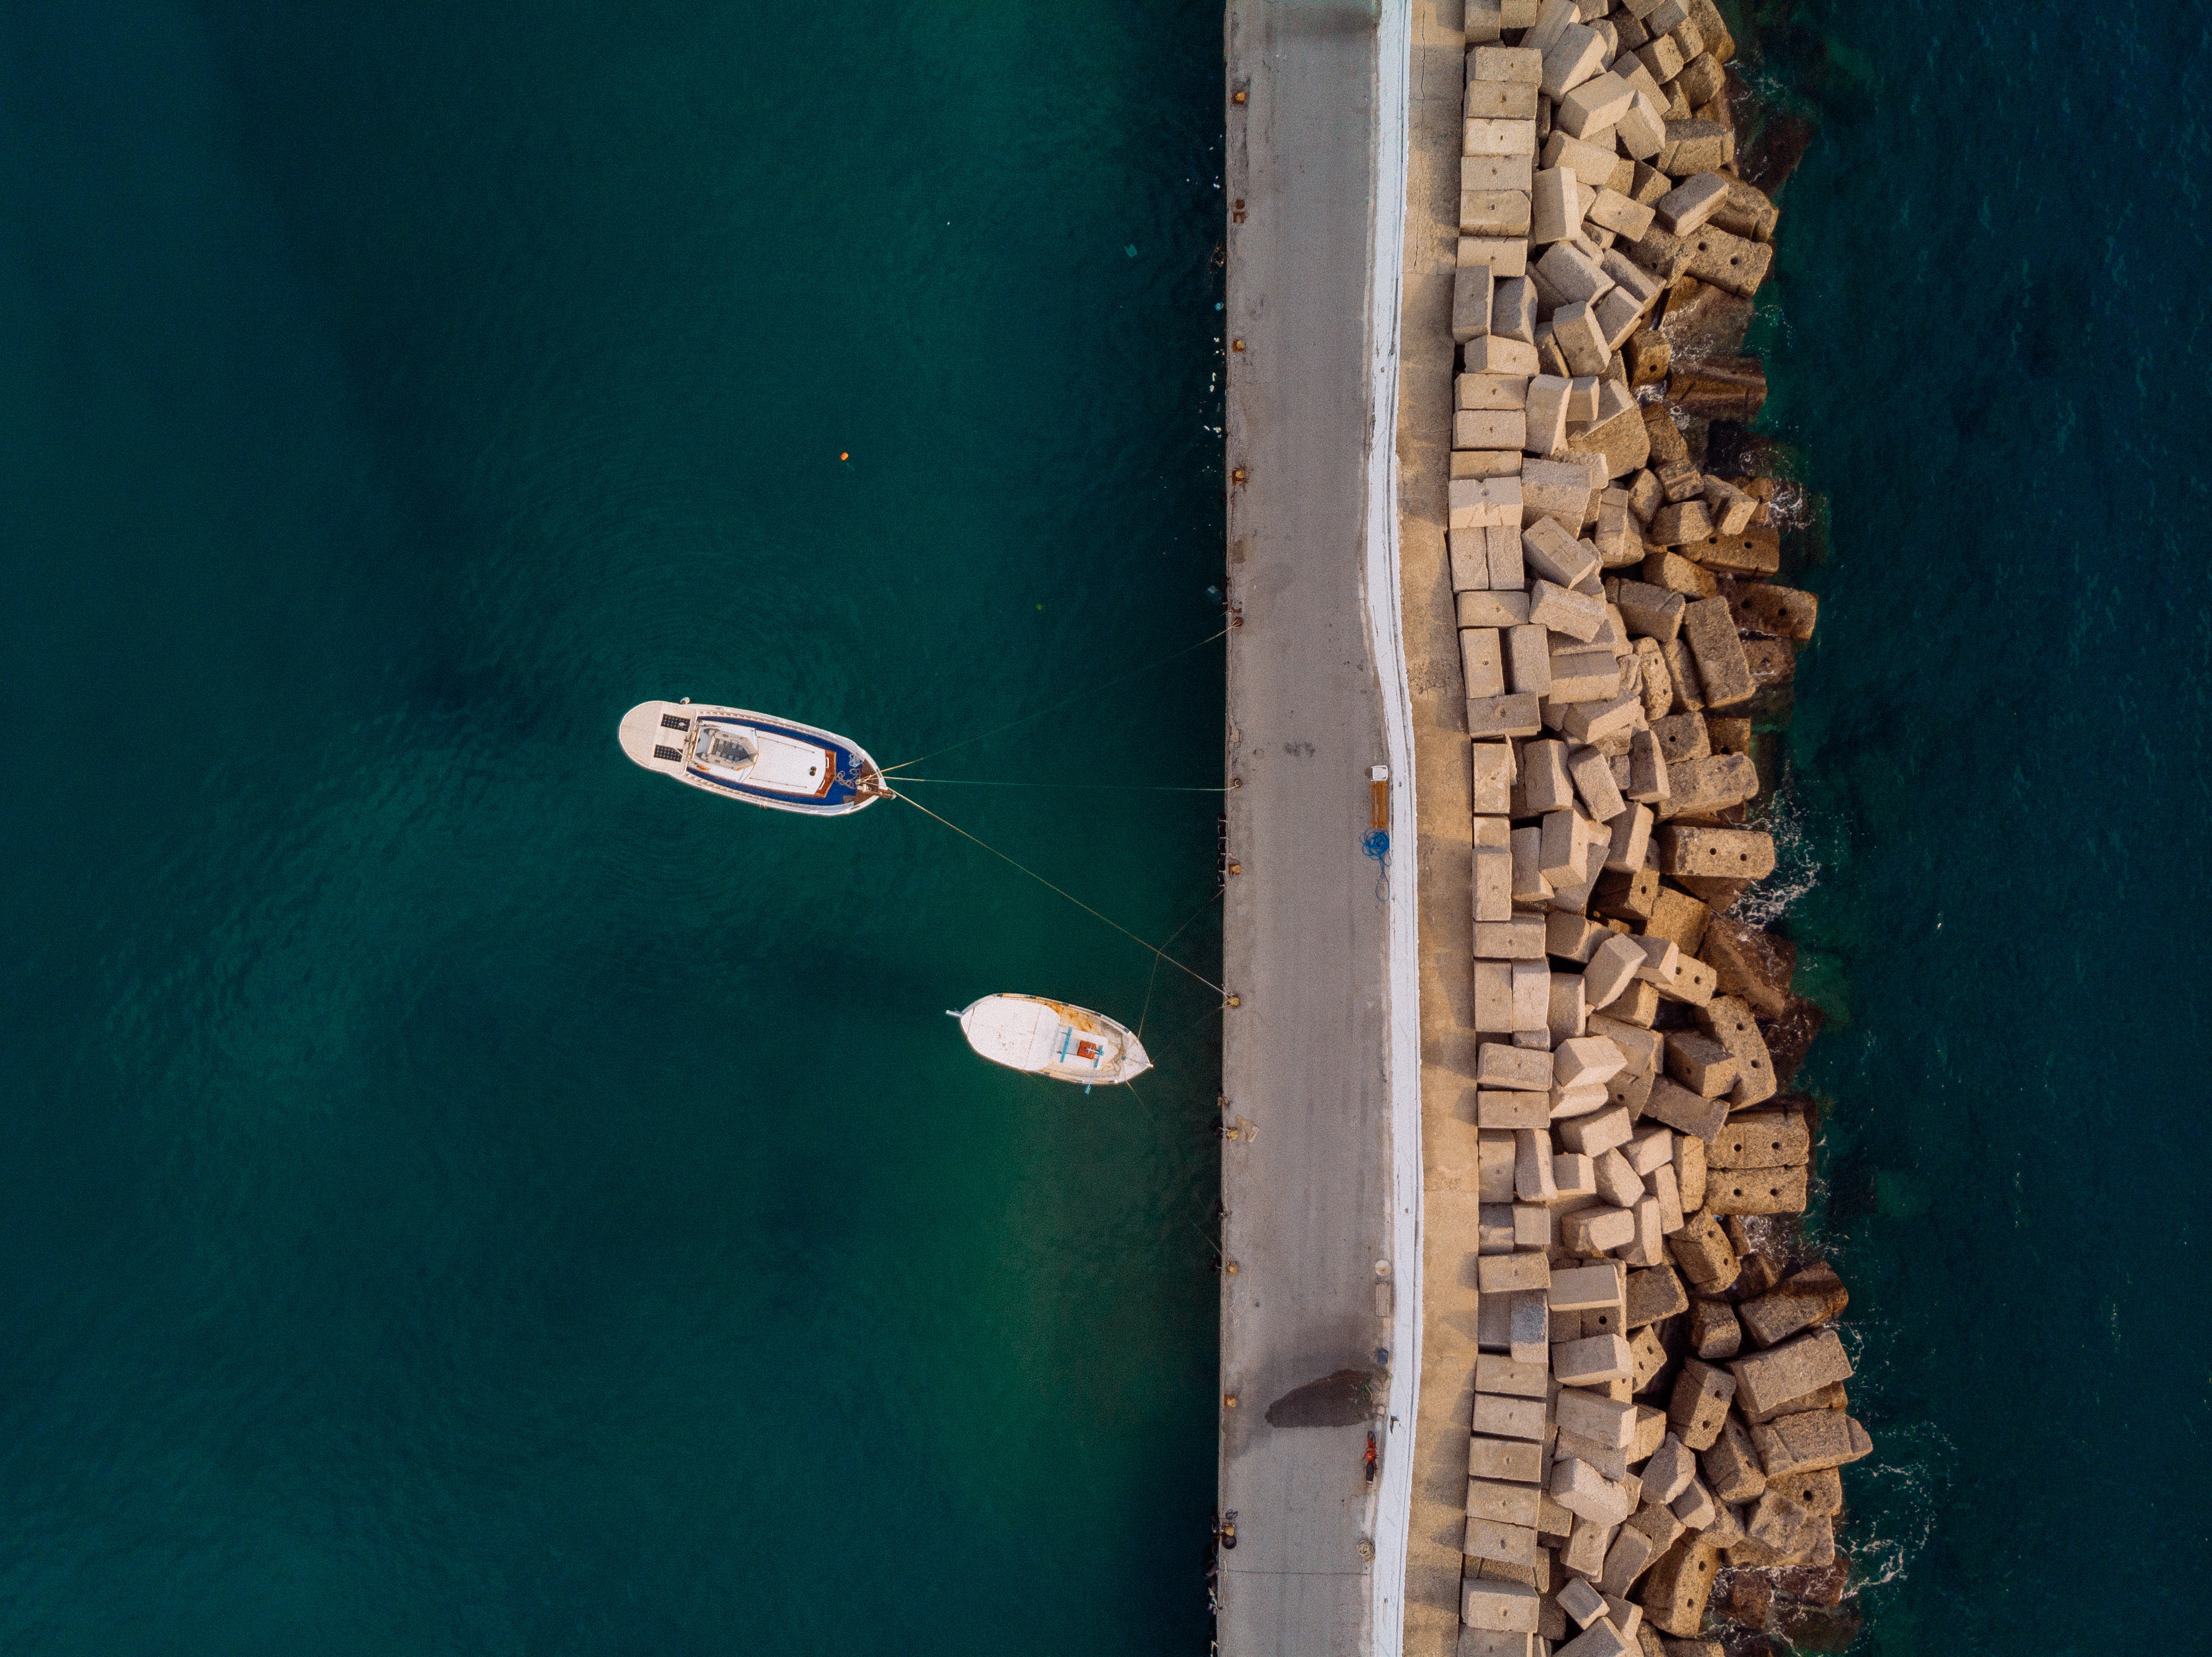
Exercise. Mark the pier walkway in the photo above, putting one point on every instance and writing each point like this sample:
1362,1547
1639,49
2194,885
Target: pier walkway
1307,1177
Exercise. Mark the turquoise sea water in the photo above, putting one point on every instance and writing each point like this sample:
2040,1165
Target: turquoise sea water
463,1194
1989,333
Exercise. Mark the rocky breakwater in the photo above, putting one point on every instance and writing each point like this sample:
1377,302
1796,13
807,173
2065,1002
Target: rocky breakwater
1658,1404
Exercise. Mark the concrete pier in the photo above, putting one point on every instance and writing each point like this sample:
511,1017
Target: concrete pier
1306,1178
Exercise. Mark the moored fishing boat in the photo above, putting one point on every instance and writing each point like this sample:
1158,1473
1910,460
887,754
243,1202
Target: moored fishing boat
1052,1039
742,755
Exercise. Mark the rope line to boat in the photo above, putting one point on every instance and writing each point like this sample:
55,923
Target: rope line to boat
994,783
1152,978
1057,706
1158,952
1175,1022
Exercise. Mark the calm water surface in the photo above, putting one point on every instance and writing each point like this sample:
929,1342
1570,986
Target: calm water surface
464,1195
1990,336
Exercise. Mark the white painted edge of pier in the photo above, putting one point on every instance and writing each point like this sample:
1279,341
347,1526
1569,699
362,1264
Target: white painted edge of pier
1386,252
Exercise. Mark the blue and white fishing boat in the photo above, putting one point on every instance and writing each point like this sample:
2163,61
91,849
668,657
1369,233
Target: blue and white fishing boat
1052,1038
742,755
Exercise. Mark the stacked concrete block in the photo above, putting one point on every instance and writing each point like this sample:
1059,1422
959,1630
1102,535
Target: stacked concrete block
1657,1395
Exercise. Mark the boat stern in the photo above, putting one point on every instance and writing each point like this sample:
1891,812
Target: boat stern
654,734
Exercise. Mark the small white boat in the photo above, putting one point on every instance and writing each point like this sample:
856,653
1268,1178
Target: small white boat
1052,1039
742,755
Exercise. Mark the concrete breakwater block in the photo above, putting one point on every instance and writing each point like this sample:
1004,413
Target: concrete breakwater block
1657,1393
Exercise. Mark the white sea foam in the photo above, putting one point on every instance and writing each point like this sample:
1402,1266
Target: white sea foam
1796,870
1773,1234
1897,1497
1792,505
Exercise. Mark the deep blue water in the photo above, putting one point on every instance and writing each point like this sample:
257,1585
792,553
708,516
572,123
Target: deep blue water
461,1193
1988,336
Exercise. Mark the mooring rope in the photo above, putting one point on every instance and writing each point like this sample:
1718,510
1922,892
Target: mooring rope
994,783
1153,975
1057,706
1151,979
1160,954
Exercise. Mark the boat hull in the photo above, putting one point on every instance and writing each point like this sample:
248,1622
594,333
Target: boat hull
1054,1040
791,766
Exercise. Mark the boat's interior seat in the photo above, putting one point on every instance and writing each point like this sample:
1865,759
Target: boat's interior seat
718,746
